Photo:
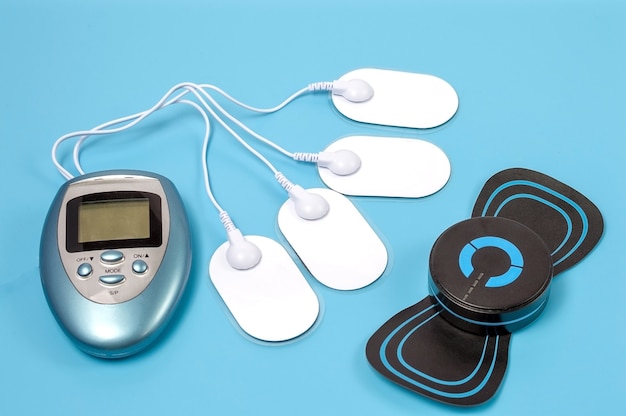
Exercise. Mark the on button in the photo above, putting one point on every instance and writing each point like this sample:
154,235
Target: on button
140,266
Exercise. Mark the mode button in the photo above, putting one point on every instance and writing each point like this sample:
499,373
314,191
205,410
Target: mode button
112,256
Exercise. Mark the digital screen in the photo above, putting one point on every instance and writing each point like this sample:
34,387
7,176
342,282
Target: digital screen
120,219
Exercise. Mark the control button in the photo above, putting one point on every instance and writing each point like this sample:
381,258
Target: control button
112,256
515,257
112,279
501,277
84,270
140,266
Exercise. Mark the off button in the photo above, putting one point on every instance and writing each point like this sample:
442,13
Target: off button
84,270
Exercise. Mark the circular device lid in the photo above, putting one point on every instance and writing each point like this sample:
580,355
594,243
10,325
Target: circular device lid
490,274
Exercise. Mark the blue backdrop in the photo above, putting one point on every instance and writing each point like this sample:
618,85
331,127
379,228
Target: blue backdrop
541,86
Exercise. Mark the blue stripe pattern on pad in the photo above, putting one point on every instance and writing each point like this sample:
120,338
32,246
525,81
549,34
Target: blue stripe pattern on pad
568,220
406,366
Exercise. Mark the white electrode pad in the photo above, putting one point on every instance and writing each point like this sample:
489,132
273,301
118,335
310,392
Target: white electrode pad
271,301
340,249
401,99
390,167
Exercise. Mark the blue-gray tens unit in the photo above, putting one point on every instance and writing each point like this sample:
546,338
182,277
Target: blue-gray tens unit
115,257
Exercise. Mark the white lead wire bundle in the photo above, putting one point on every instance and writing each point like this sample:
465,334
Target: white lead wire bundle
201,94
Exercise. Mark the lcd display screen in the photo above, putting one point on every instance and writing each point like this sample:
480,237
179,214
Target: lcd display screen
113,220
122,219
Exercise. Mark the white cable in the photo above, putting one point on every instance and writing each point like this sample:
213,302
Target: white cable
205,151
234,235
99,129
225,219
299,156
198,92
242,125
194,90
223,215
138,117
189,88
241,254
256,109
279,176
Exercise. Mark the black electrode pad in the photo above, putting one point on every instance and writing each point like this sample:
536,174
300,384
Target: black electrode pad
489,275
421,351
569,223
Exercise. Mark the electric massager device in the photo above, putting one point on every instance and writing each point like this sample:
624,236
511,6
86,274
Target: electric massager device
489,276
114,259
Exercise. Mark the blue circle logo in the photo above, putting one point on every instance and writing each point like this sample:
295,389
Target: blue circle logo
515,256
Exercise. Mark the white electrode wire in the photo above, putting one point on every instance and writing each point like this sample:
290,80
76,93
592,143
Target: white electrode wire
136,118
280,106
225,219
189,88
318,86
162,103
241,124
139,116
279,176
205,151
193,88
205,145
223,215
299,156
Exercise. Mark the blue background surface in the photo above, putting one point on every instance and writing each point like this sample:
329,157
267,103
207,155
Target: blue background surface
541,86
